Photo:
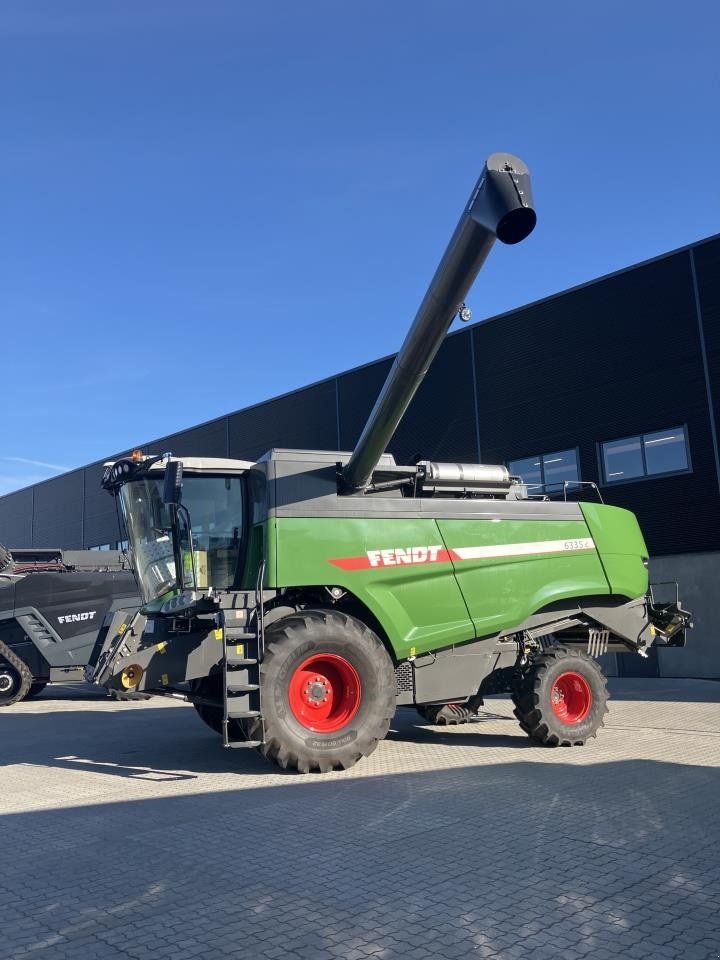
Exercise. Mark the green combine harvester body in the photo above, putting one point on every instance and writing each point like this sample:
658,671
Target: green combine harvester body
433,581
296,601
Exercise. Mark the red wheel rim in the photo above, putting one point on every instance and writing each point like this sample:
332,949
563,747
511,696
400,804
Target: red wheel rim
571,697
325,693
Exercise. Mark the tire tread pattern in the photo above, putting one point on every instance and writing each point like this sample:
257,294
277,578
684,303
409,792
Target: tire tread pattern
531,698
282,638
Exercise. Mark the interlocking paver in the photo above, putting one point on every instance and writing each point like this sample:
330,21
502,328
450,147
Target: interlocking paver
132,834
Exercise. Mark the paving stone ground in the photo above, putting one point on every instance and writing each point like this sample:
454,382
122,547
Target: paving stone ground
126,831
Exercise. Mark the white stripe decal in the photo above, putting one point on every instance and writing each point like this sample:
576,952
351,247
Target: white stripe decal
522,549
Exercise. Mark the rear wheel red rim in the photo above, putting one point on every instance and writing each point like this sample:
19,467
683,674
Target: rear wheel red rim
571,697
325,693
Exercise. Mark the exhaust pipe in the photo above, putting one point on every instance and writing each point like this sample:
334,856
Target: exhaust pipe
501,207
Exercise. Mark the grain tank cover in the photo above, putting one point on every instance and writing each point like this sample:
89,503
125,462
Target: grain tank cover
500,207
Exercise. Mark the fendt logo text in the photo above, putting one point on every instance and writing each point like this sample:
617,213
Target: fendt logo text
397,555
77,617
394,557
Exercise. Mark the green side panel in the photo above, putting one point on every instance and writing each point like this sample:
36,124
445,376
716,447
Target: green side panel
511,569
419,604
621,546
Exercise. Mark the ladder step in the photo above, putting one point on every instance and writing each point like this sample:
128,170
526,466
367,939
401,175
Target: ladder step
240,686
241,649
238,714
235,659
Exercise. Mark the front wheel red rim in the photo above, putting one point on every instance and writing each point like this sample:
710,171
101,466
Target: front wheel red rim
325,693
571,698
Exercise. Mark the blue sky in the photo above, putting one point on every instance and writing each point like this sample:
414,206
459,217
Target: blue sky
253,196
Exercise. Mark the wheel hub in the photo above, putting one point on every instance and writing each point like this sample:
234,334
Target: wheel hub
7,681
324,693
571,697
317,691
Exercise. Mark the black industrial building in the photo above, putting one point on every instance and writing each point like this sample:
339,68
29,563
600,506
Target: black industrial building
616,382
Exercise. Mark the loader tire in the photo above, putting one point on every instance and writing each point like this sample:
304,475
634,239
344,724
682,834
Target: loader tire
15,677
328,692
562,698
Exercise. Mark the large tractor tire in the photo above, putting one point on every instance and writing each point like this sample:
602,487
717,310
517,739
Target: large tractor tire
562,699
328,691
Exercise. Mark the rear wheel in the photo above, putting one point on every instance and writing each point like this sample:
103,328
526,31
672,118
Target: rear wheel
562,698
328,688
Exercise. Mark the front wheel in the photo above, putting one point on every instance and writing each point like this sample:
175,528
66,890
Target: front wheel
328,688
562,698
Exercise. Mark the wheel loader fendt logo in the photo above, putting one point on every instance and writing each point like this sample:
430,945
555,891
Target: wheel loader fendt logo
77,617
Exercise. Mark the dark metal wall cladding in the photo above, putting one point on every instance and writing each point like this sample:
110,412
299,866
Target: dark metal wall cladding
440,421
16,518
357,392
306,419
207,440
615,358
58,514
707,269
100,524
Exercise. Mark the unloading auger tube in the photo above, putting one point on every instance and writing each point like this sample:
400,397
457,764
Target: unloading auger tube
500,207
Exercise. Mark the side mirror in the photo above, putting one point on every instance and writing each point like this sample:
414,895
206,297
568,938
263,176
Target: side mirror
172,488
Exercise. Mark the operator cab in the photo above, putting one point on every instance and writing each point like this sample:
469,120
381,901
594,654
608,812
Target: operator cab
186,524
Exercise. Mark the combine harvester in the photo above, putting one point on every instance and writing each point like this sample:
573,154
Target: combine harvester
298,600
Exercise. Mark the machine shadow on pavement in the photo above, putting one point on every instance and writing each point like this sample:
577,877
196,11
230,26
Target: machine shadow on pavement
157,743
504,860
161,743
408,727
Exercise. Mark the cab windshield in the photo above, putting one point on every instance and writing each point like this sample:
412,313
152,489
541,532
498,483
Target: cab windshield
216,509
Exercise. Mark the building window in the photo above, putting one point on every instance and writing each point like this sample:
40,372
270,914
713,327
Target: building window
102,546
547,469
645,455
123,544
